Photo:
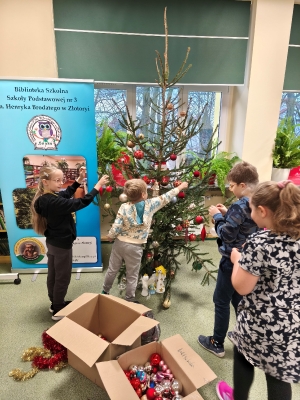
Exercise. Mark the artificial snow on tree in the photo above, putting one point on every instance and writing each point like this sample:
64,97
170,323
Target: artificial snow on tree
156,152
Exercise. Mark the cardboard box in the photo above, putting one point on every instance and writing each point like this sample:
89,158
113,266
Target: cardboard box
117,320
186,366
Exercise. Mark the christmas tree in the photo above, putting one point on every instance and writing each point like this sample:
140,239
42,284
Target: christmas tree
155,151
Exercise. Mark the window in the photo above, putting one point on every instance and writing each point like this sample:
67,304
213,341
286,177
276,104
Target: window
290,107
111,101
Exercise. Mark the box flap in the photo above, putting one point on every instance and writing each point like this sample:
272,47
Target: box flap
193,396
193,365
84,344
85,297
140,308
129,335
115,382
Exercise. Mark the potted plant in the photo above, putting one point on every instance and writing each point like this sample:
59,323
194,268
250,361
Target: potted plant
220,166
286,151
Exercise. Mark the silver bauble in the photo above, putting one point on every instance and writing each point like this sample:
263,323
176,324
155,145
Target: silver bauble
174,200
155,244
123,197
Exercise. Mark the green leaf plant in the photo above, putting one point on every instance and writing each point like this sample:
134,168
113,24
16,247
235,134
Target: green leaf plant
286,151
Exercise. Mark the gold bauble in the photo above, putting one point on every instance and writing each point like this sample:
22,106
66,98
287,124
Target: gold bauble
167,303
141,136
155,244
182,113
106,206
130,144
170,106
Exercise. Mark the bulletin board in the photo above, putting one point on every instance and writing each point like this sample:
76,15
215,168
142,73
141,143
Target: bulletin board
47,121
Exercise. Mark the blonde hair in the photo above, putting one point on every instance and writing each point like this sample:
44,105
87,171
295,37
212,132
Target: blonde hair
283,199
39,223
134,188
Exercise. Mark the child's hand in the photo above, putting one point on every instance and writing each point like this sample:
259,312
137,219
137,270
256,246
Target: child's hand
221,208
183,185
213,210
235,255
82,174
102,181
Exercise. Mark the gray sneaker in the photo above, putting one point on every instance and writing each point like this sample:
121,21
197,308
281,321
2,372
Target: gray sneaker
211,345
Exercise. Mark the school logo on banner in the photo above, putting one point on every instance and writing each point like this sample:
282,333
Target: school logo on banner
29,250
44,132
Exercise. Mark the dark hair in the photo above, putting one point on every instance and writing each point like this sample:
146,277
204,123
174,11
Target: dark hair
134,188
243,172
283,199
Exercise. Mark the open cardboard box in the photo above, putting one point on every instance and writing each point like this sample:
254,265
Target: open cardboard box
186,366
120,322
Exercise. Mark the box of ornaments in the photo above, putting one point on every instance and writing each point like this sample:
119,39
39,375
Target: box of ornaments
169,369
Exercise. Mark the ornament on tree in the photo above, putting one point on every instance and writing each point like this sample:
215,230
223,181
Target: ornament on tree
197,265
176,183
109,189
146,180
138,154
170,106
149,255
174,200
155,244
106,206
181,195
185,223
173,157
196,174
203,233
123,197
155,189
179,228
192,237
199,219
141,136
182,113
165,181
130,144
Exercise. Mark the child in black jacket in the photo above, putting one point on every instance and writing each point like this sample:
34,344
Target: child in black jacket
52,215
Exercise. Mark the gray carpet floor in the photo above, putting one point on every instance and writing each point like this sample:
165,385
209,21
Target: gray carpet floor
25,315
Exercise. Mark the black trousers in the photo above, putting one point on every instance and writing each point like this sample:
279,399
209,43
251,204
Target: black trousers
243,374
59,274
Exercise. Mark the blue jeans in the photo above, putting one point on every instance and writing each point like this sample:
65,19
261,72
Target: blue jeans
223,295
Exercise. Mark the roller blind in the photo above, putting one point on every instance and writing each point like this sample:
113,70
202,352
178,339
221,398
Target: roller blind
116,40
292,73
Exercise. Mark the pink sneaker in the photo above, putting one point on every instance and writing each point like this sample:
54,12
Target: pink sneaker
224,391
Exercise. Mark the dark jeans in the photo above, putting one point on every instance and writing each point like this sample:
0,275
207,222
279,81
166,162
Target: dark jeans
59,274
243,374
223,295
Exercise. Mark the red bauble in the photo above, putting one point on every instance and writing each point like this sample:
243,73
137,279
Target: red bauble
154,370
192,237
196,174
146,180
139,154
149,255
165,180
152,181
128,374
176,183
151,394
179,228
139,392
199,219
135,383
173,157
109,188
155,358
181,195
101,191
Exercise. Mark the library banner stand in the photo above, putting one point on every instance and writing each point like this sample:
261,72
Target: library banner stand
11,276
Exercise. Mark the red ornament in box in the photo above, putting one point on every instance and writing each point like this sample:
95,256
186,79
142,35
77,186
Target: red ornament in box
109,188
199,219
146,180
155,359
181,195
135,383
192,237
173,157
196,174
138,154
